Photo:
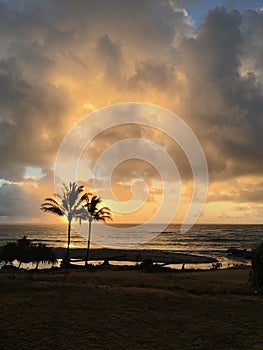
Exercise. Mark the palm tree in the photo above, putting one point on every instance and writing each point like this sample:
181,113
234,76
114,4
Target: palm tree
93,213
69,204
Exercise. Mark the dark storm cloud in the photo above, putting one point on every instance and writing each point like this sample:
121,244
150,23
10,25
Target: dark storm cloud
42,41
252,28
30,121
224,105
53,53
109,56
154,75
16,201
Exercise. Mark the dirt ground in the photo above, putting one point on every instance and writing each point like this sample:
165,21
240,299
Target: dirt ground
111,309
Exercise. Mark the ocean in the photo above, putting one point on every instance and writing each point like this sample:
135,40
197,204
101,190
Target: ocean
208,240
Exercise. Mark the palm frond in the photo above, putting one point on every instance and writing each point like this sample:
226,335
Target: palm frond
78,203
103,218
54,210
67,203
66,188
58,195
51,200
97,214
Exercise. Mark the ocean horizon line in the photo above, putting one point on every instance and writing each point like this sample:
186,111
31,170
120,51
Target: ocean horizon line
133,223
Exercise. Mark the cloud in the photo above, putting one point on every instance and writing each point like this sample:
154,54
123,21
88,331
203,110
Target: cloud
245,190
152,75
20,201
224,106
31,121
56,58
252,56
16,201
58,61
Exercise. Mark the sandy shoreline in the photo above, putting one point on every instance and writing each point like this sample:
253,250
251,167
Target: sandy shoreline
135,255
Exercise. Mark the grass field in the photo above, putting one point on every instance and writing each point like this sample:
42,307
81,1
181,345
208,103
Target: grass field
109,309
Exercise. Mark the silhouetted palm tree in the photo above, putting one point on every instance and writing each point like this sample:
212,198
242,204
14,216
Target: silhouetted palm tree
69,204
92,212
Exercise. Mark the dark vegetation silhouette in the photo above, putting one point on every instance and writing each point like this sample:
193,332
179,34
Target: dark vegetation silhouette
92,212
67,204
24,251
147,265
256,277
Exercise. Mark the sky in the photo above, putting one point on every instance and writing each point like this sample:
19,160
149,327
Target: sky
61,61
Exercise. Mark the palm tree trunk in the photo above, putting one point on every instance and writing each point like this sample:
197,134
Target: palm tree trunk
67,253
88,246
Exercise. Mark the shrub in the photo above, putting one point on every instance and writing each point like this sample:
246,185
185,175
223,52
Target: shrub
8,253
147,264
42,253
24,251
256,277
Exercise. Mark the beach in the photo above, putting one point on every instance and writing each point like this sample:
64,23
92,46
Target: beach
214,241
135,255
111,309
